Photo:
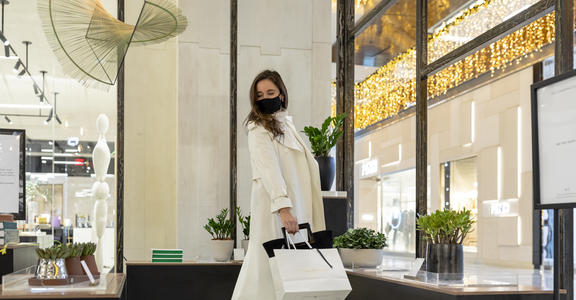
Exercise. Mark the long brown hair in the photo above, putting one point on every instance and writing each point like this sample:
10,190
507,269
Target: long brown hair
266,120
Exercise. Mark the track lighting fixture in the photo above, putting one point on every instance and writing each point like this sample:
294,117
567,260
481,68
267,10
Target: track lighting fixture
6,50
7,119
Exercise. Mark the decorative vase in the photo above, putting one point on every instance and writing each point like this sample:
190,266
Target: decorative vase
245,246
445,259
73,266
222,250
361,258
327,171
51,269
91,263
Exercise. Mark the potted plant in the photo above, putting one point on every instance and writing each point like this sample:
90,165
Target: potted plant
72,262
361,247
322,140
245,221
88,250
221,231
445,231
51,265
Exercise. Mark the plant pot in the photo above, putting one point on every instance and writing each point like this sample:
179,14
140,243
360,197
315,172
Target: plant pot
327,171
222,250
73,266
92,266
361,258
51,269
445,259
245,246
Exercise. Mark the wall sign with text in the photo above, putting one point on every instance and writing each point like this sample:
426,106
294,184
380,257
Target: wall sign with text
554,142
13,172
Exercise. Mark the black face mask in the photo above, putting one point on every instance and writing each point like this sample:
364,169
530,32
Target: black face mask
270,105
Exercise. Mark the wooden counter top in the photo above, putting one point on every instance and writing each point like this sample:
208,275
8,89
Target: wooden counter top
455,291
114,288
186,263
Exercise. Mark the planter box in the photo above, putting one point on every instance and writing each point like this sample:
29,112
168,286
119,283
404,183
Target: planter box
361,258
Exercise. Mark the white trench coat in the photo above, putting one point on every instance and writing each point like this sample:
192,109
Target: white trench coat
284,174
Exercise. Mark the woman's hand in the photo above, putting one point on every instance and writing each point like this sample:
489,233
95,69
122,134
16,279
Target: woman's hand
289,222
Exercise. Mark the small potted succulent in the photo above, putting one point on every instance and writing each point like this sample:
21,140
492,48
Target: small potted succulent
73,265
51,265
221,231
245,221
322,140
361,247
88,250
445,231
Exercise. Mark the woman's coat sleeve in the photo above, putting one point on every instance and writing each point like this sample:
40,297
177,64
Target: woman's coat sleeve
266,168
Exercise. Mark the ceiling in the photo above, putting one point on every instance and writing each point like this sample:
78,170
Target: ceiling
77,106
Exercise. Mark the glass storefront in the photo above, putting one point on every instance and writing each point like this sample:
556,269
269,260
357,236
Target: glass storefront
459,190
398,210
58,114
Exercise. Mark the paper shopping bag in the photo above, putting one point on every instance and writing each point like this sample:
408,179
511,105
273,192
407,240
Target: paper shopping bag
305,274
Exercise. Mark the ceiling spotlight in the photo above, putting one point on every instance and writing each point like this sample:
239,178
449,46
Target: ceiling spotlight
7,119
6,51
37,90
4,40
49,116
22,73
17,66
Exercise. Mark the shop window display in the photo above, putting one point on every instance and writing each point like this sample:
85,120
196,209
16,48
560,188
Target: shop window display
387,204
459,190
58,115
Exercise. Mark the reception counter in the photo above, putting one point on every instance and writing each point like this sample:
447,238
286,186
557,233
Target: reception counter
203,280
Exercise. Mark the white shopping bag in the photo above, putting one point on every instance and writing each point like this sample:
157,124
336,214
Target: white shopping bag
304,274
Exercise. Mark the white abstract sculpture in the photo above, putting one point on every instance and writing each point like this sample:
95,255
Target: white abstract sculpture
100,189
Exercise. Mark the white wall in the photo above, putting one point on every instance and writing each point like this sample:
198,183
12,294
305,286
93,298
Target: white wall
150,145
505,239
203,122
292,37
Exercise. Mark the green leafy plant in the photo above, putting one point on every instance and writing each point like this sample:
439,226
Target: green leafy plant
54,252
446,227
88,249
361,238
75,250
323,139
222,227
245,221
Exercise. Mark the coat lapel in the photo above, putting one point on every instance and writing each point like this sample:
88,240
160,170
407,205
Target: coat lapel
291,140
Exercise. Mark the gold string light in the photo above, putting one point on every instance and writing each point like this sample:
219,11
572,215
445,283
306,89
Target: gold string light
392,87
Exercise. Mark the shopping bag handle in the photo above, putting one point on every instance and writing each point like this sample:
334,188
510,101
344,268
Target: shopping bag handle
289,241
300,227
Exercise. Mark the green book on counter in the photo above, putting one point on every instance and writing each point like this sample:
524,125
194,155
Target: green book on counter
167,255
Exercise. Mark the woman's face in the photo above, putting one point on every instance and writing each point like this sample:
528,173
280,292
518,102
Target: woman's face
266,89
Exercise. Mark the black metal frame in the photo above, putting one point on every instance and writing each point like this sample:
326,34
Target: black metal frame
119,265
21,215
345,102
535,141
233,113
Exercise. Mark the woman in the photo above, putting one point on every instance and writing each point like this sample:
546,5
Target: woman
285,183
